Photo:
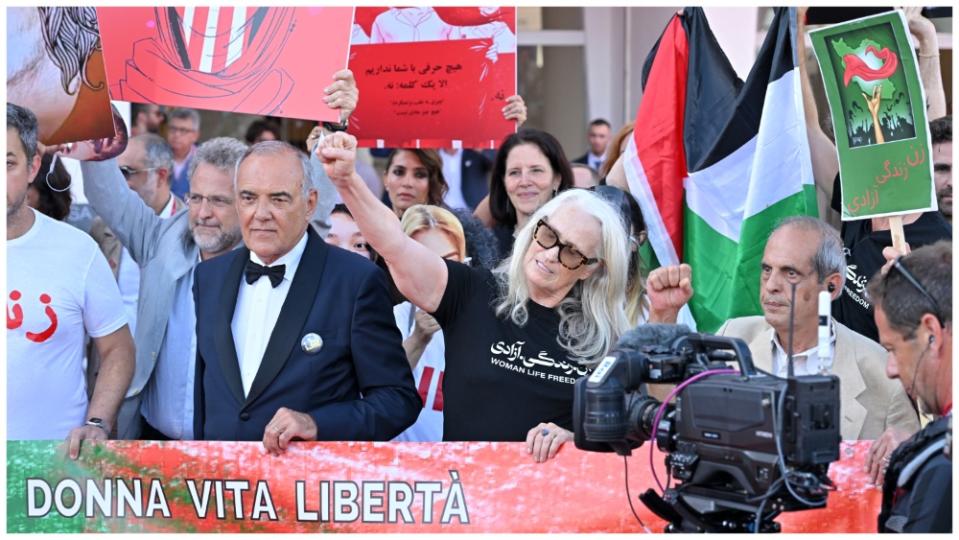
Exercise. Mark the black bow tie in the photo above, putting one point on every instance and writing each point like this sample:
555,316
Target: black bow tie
255,271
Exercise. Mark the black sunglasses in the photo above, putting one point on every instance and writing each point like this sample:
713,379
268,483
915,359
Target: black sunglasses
569,256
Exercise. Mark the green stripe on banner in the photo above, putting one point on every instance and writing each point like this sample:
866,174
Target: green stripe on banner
726,274
25,460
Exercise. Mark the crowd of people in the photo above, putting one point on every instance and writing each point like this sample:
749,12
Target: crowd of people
250,290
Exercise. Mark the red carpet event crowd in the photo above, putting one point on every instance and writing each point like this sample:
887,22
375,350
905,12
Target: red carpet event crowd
256,290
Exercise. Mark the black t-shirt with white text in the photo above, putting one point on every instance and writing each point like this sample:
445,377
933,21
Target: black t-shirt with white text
863,249
501,379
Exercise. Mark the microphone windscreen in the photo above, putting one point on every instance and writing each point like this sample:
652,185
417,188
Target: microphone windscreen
652,335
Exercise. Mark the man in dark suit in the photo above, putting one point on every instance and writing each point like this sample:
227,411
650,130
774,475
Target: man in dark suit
598,135
295,338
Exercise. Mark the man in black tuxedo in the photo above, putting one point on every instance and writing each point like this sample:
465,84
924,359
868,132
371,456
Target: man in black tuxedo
598,135
295,338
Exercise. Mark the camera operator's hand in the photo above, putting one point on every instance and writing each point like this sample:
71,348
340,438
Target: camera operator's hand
878,458
668,288
544,440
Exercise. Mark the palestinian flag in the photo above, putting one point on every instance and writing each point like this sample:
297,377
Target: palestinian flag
715,163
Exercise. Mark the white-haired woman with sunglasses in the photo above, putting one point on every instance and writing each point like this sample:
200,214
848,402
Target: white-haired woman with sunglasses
519,336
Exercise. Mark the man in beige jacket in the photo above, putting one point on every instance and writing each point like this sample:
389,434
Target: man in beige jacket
807,252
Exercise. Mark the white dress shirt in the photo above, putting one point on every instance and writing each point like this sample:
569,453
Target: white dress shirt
594,161
453,173
257,309
805,362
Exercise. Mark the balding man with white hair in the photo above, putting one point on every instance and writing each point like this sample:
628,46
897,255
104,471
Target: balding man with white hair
807,252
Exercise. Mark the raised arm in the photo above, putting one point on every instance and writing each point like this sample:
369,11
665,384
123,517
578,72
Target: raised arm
930,71
135,224
617,174
342,95
825,162
419,274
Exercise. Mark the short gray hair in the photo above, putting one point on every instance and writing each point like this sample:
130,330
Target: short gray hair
25,122
281,147
221,152
189,114
159,155
829,258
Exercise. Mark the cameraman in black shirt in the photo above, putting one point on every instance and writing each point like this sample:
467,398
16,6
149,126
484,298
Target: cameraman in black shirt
913,310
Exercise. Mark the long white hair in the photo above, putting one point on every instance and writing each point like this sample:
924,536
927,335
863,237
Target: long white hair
592,316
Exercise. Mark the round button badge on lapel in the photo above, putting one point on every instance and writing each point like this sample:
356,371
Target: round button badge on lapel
311,343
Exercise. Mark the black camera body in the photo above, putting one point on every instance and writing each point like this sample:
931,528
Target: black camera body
730,435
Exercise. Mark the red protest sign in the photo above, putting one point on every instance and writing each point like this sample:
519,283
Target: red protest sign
433,78
256,60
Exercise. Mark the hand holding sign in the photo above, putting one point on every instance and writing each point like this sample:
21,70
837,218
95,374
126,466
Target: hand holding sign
285,426
515,109
877,102
342,94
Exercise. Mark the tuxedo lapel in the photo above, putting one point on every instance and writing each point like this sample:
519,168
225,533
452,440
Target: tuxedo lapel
299,301
225,346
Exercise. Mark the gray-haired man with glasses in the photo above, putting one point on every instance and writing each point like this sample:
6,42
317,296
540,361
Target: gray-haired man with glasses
147,165
167,250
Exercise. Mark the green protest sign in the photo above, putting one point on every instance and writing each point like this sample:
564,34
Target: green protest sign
879,116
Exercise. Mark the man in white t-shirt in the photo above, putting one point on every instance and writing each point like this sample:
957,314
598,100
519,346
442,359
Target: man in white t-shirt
59,289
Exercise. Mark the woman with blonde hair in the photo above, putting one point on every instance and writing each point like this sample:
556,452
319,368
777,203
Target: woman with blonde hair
440,231
519,336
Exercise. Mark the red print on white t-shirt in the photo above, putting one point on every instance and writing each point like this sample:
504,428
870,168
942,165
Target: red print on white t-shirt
15,317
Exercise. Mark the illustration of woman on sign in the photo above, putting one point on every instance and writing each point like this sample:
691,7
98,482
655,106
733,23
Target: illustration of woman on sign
231,62
873,87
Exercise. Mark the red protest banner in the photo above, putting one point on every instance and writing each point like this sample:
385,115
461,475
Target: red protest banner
433,78
256,60
129,486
